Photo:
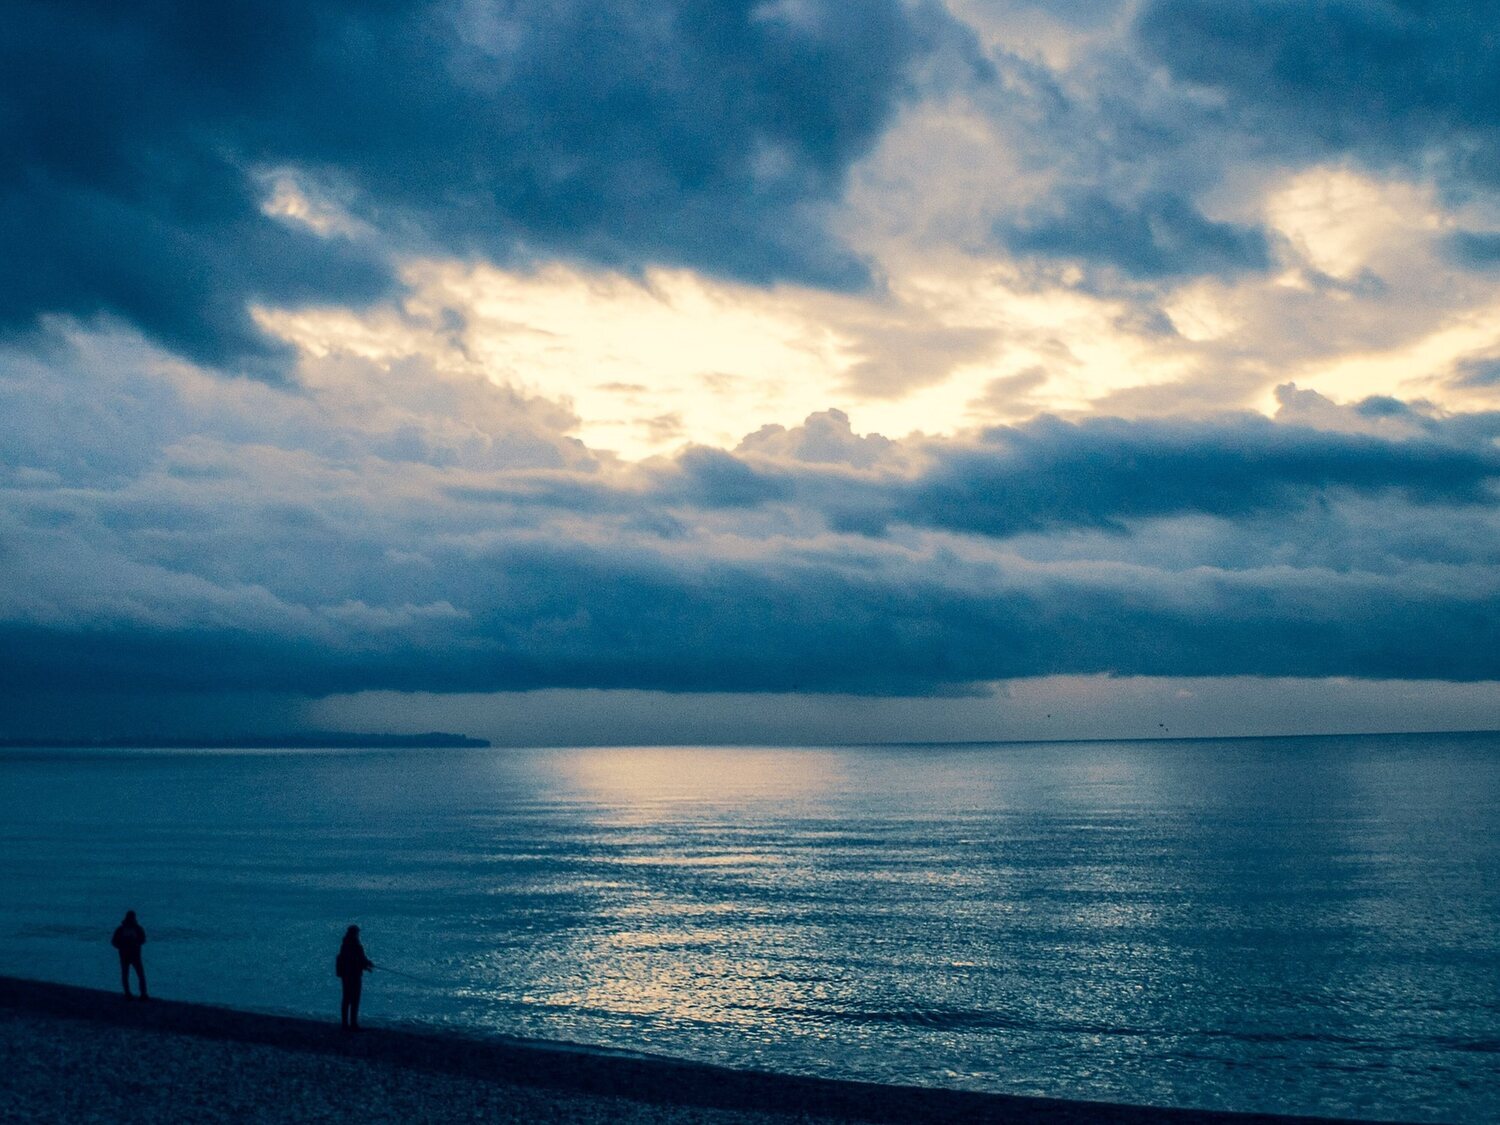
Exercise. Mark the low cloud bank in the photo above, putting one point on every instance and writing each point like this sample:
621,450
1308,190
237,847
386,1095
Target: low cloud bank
238,538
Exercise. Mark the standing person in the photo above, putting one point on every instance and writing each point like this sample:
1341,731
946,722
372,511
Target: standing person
350,966
128,939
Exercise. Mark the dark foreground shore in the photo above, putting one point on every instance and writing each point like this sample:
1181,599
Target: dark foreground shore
76,1054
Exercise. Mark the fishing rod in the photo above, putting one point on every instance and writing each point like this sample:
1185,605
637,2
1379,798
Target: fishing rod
409,976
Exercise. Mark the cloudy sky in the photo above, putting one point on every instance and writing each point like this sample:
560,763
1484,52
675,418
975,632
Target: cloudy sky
732,371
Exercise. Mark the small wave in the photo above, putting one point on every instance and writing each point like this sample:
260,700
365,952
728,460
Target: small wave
948,1019
1282,1037
100,933
56,930
1478,1046
966,1019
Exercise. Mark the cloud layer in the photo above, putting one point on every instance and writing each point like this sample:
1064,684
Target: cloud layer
1179,322
237,537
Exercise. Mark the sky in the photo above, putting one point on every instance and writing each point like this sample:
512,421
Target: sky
772,371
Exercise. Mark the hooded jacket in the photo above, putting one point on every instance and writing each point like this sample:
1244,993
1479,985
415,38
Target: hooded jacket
128,939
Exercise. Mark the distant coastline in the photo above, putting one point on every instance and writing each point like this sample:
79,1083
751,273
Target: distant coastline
307,740
443,740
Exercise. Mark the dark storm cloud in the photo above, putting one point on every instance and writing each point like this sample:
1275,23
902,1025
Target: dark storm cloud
1401,84
711,478
1157,237
123,191
573,617
1044,475
137,138
1106,472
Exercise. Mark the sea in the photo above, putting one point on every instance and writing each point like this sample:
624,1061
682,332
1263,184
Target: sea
1306,925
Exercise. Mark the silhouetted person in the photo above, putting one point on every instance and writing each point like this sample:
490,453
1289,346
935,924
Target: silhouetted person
351,965
128,939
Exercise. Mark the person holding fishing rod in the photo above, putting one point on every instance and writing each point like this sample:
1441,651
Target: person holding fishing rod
350,966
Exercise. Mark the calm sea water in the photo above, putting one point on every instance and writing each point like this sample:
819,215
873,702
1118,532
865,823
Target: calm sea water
1305,925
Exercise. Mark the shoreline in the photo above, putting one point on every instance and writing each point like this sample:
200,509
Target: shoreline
574,1072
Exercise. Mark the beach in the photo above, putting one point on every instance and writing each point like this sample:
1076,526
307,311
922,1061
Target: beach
76,1054
60,1069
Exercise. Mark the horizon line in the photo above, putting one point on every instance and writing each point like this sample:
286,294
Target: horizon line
330,740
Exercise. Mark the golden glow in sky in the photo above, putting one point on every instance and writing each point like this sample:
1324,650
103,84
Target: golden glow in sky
650,364
944,342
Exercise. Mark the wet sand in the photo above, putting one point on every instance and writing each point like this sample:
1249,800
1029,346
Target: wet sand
74,1054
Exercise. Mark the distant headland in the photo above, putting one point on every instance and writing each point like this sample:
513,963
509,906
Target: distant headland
302,740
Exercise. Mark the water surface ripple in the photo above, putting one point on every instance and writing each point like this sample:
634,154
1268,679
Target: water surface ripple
1299,925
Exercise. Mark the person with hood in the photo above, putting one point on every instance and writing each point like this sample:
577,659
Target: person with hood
350,967
128,939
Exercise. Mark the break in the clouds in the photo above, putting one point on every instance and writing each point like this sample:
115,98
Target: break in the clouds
150,149
809,350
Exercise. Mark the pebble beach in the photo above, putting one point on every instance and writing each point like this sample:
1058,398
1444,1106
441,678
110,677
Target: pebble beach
80,1055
